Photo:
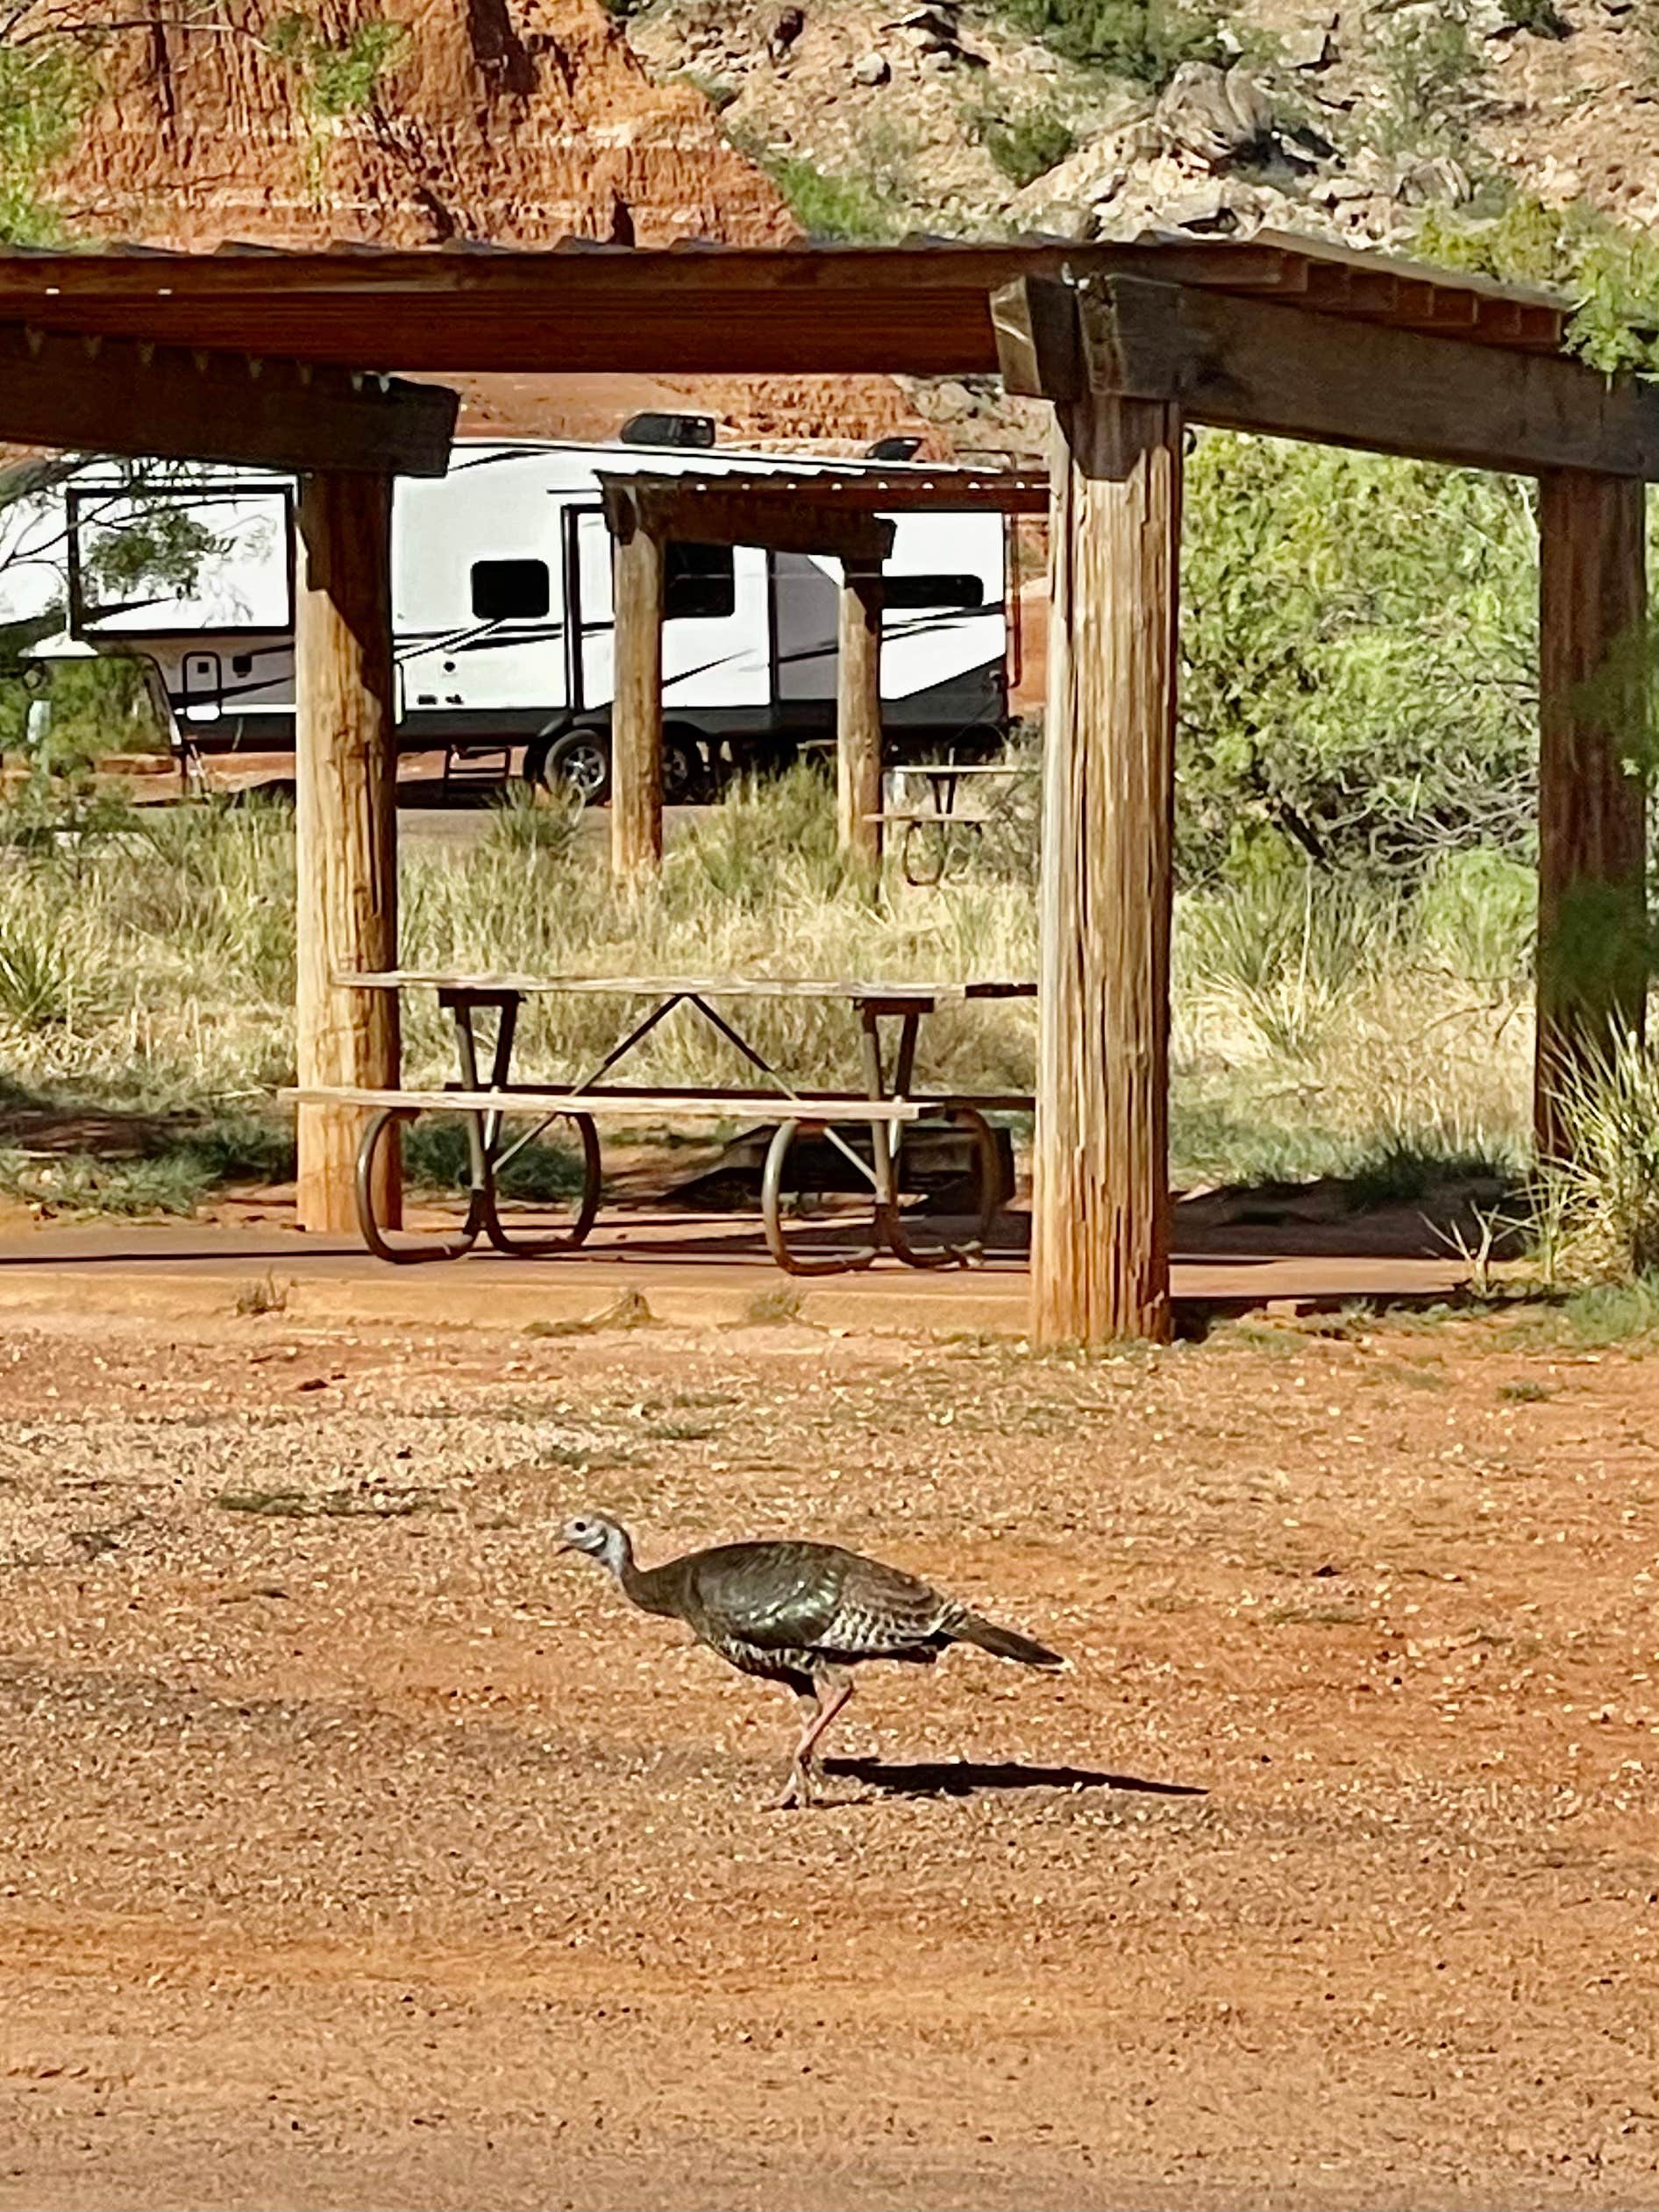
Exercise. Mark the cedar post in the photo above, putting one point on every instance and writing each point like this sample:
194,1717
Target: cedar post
858,734
346,829
636,714
1100,1204
1592,961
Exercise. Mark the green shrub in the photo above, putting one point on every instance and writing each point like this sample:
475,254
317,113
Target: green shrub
46,83
1541,17
1144,40
1431,71
1477,913
1284,949
1358,642
765,824
1610,274
341,78
833,207
1598,1205
1027,146
42,974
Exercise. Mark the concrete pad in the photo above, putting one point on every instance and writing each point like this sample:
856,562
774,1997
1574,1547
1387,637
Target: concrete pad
711,1273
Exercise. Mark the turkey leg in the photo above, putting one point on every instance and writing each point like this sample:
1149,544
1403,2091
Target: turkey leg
798,1789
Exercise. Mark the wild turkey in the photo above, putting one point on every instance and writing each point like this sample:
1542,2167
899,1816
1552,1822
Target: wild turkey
799,1614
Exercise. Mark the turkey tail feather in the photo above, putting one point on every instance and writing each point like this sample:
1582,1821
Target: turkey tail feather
1005,1643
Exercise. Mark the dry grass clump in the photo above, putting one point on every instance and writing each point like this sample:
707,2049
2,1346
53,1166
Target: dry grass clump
1597,1207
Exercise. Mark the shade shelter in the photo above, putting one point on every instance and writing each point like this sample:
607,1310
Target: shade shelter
1128,344
798,511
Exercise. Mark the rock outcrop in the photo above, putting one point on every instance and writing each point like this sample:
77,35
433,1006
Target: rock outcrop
516,121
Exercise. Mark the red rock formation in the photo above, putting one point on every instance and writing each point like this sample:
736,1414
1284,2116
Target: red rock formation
516,121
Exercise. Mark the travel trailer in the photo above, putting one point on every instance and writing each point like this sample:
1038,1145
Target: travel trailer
502,619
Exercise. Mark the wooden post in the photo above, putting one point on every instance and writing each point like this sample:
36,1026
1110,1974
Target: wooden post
636,714
1101,1209
345,770
1592,962
858,735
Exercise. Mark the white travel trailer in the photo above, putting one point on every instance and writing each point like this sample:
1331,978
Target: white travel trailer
501,613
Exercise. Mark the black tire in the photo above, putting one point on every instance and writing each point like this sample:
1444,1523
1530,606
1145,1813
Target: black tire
684,767
580,761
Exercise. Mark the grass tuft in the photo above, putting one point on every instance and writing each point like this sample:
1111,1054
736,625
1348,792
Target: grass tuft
772,1309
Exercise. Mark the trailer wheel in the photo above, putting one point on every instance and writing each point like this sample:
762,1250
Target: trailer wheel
579,763
684,767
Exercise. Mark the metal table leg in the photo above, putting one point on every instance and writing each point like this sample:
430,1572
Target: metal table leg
484,1149
485,1134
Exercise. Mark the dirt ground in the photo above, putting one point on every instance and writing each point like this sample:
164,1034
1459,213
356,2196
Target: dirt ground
355,1850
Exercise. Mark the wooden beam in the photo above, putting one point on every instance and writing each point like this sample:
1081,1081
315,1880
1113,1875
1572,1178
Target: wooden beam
1254,365
635,714
858,732
791,309
1592,960
113,395
746,516
1100,1206
345,772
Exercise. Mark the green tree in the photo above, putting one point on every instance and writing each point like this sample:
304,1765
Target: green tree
1609,273
1358,643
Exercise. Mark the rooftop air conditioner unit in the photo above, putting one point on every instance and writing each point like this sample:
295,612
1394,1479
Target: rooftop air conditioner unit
652,429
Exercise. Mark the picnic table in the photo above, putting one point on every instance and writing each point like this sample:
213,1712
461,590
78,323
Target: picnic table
936,836
887,1105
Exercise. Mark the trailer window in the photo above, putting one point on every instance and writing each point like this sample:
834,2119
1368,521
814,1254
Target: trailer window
511,591
934,591
700,581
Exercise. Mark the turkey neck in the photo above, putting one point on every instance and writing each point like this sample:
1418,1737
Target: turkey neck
653,1589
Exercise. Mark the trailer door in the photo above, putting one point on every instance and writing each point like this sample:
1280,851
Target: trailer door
594,617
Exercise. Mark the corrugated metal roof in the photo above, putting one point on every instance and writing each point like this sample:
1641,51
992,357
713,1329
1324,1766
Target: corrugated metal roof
869,488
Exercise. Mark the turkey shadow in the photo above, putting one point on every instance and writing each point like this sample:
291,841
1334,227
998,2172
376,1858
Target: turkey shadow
967,1777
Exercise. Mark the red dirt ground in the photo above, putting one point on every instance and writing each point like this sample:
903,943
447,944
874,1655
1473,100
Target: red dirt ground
355,1850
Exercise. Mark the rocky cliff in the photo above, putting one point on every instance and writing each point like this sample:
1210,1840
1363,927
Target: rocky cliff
1342,118
517,121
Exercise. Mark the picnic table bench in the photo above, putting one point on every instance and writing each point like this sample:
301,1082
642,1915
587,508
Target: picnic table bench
934,835
886,1107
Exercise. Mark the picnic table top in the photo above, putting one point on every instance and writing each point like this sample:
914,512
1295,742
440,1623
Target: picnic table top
942,768
858,989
